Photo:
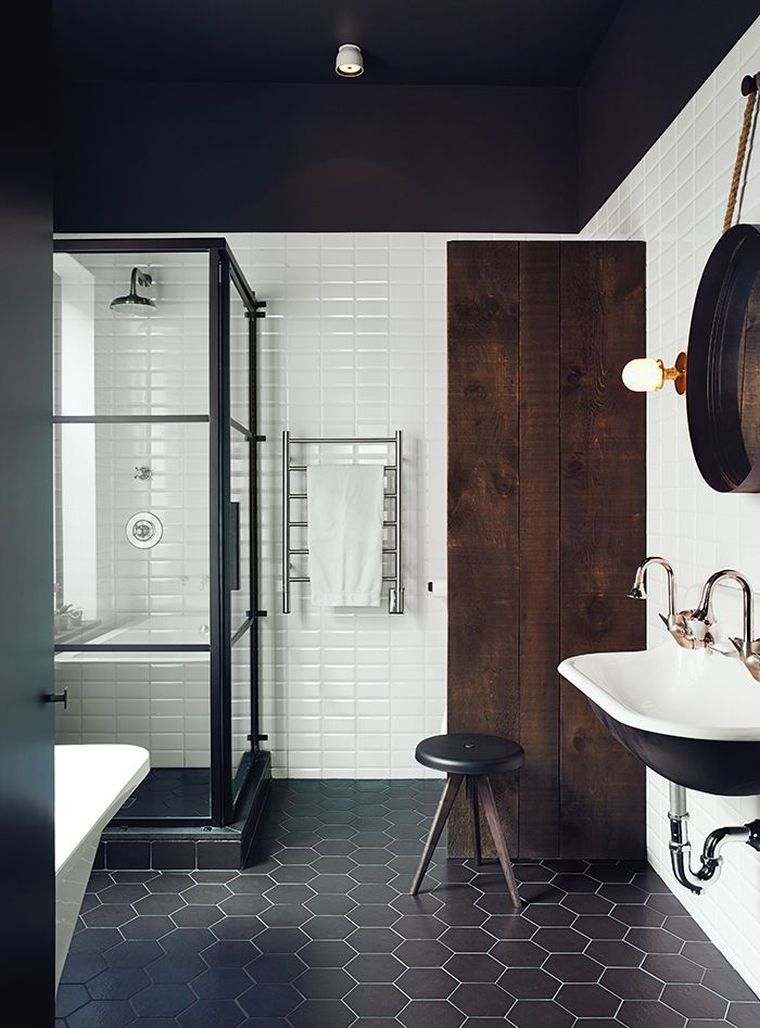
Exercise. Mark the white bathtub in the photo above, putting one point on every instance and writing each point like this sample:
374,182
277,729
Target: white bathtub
91,783
164,629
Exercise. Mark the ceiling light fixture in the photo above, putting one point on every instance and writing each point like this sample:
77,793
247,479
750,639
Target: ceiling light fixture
349,63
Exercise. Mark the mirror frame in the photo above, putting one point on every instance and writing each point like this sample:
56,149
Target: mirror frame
715,349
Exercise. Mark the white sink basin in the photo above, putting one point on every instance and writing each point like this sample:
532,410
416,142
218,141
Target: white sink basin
691,715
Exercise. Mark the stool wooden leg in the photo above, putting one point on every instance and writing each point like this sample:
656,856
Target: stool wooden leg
472,794
500,842
444,809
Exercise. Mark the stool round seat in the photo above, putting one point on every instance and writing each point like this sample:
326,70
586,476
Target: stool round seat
468,754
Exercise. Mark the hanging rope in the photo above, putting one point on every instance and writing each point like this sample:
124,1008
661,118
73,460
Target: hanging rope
741,153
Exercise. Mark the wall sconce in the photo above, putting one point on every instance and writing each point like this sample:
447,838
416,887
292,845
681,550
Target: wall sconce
645,374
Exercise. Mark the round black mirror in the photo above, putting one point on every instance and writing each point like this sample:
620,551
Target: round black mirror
723,383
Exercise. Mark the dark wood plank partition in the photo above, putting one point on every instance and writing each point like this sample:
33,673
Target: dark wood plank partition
547,492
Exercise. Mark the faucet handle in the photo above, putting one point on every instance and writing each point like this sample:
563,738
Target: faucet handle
681,629
749,655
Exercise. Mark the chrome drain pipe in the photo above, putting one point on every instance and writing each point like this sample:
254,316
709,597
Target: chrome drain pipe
711,860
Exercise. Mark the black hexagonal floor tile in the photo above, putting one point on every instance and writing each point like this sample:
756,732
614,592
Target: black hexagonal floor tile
159,903
574,967
321,1013
244,903
647,1014
326,954
375,967
631,983
105,1013
588,1000
519,953
560,940
694,1001
467,940
324,983
328,926
376,1000
221,983
427,983
419,926
374,915
532,1013
422,953
482,1000
163,1000
550,915
474,967
196,916
281,940
427,1013
615,953
238,927
320,932
529,983
118,983
271,999
275,967
235,953
111,916
221,1013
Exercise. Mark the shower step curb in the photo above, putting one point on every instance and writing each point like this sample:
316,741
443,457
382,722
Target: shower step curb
189,849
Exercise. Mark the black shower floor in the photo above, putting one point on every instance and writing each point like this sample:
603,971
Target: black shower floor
170,792
320,932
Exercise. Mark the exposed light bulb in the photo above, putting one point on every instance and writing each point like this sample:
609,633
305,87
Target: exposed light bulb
643,375
349,63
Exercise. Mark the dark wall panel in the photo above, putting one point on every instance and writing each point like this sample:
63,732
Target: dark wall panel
483,511
26,571
195,157
539,544
602,532
654,58
547,492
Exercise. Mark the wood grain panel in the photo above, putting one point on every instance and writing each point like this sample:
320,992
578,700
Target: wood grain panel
539,547
483,554
602,530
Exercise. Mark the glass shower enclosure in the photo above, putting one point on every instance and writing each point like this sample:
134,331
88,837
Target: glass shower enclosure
156,540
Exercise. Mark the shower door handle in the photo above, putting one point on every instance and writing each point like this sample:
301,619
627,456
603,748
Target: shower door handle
234,545
59,697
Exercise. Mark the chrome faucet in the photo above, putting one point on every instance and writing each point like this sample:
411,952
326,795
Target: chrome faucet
639,587
747,648
676,623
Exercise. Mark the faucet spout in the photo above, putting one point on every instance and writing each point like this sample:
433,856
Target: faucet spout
704,613
639,587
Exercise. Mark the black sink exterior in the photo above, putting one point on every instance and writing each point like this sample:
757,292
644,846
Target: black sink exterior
724,768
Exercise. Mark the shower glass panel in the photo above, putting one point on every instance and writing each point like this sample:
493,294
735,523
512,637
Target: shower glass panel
156,626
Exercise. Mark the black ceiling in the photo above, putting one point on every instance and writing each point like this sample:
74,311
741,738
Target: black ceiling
505,42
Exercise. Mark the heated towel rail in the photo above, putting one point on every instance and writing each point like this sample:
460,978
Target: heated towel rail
392,492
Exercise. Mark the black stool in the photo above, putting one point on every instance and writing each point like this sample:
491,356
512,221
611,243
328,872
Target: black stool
473,757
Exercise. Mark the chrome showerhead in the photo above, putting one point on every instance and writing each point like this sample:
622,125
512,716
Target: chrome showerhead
133,304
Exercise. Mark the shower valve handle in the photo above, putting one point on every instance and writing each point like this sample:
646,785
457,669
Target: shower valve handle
59,697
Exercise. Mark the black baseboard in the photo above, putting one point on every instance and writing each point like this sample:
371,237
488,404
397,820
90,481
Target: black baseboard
191,849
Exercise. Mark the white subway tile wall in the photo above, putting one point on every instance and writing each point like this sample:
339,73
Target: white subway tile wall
354,344
675,200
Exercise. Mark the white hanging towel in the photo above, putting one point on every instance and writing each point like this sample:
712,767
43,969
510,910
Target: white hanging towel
345,515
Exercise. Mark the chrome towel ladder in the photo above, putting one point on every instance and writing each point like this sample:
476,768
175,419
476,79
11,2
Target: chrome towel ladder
396,590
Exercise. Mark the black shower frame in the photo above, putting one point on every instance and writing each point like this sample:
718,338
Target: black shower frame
223,269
